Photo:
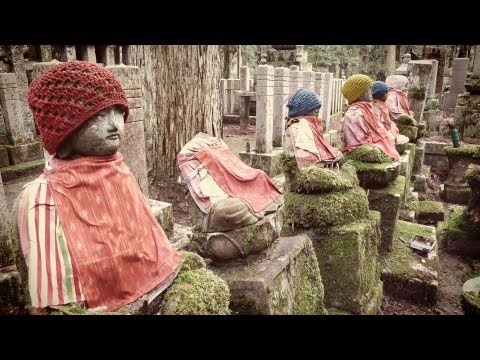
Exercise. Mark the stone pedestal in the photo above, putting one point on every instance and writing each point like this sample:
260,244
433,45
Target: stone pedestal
388,202
286,282
347,257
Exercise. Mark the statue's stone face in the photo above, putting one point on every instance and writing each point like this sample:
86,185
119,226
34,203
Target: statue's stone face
100,136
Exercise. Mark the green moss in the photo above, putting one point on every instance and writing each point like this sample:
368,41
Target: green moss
329,209
406,120
314,180
470,303
417,93
34,148
473,178
430,207
468,150
191,261
367,154
348,259
22,167
412,205
289,164
197,292
458,221
401,261
350,172
374,175
309,291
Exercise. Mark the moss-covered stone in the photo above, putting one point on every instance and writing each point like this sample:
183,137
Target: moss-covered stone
316,180
12,296
417,93
458,235
406,120
468,150
430,212
197,292
411,204
375,175
470,303
191,261
409,131
287,281
405,275
348,259
473,178
305,211
367,154
387,201
14,171
422,129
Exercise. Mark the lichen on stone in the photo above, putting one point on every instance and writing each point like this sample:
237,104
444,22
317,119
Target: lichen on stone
368,154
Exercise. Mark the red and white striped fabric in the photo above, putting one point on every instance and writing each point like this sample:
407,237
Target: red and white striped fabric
53,277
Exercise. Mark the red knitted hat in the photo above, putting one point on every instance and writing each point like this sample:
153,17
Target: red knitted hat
69,94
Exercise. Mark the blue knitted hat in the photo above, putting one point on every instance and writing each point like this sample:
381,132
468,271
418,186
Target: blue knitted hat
303,102
378,89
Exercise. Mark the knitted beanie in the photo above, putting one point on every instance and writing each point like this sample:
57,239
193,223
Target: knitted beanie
355,86
67,95
396,81
379,88
303,102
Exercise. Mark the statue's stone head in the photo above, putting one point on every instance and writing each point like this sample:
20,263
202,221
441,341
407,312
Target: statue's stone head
304,102
357,88
380,90
80,109
398,82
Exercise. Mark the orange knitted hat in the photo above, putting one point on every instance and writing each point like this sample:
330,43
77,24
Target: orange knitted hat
69,94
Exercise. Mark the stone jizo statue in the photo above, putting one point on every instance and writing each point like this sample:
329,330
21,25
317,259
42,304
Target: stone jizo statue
86,233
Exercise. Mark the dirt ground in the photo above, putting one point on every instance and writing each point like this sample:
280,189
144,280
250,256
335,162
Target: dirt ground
454,270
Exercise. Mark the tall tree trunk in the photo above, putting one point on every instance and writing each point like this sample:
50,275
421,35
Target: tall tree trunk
227,57
462,53
390,59
180,88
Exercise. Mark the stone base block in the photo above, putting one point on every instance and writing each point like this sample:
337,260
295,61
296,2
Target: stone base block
456,194
430,212
348,259
268,162
388,201
181,237
163,212
286,282
408,275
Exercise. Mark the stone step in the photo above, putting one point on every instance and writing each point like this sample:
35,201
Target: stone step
163,212
407,275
